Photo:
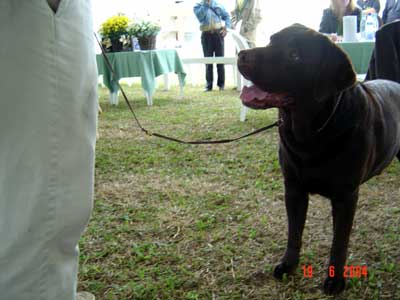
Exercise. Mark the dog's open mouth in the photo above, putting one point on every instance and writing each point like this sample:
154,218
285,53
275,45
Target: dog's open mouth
256,98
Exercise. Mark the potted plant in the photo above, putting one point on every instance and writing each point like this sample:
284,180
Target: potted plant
113,31
145,32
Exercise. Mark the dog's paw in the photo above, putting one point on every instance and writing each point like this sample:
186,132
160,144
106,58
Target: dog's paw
334,285
283,268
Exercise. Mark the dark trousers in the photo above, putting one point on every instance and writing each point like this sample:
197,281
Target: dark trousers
213,44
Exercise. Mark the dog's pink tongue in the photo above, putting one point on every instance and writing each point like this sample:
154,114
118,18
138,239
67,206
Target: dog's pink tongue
252,92
256,98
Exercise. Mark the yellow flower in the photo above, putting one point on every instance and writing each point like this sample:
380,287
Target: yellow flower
114,26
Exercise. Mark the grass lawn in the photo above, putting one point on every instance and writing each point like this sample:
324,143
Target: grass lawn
183,222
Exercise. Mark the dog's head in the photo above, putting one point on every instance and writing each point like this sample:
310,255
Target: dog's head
299,63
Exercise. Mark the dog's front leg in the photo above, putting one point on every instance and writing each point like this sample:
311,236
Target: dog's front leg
296,200
343,210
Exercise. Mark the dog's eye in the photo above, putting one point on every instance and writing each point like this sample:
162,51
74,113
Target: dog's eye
294,55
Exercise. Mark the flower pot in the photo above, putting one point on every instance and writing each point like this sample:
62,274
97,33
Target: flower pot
147,42
116,45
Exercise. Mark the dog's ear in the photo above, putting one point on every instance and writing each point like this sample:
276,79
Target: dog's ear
335,73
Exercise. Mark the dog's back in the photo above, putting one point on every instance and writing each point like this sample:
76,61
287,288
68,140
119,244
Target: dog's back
384,116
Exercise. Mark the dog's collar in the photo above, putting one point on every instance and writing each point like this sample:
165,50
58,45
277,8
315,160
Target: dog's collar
332,113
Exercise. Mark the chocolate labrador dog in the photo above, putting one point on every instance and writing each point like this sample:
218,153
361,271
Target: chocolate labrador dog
335,133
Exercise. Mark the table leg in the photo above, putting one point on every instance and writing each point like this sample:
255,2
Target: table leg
235,76
100,81
243,111
239,79
181,92
114,98
189,78
148,98
166,82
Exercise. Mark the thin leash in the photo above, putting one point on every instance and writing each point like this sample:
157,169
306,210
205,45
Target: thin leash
332,113
165,137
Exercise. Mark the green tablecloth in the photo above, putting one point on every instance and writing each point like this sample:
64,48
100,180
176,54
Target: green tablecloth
360,54
145,64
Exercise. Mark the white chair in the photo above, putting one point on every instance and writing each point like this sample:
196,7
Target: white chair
241,44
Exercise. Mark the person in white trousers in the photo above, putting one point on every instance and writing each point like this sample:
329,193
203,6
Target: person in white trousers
247,11
48,116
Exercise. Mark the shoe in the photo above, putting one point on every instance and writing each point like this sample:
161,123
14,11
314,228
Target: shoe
207,90
85,296
221,88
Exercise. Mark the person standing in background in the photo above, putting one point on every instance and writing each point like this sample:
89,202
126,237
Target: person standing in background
47,141
369,6
391,11
332,18
210,15
247,11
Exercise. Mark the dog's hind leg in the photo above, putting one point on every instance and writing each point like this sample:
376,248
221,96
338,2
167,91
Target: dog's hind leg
296,200
343,210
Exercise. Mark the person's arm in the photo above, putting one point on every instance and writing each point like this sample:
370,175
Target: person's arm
200,10
324,25
374,7
235,18
385,11
225,16
234,21
359,17
377,6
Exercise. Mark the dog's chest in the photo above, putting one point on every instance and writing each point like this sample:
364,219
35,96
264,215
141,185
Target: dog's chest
321,182
323,174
